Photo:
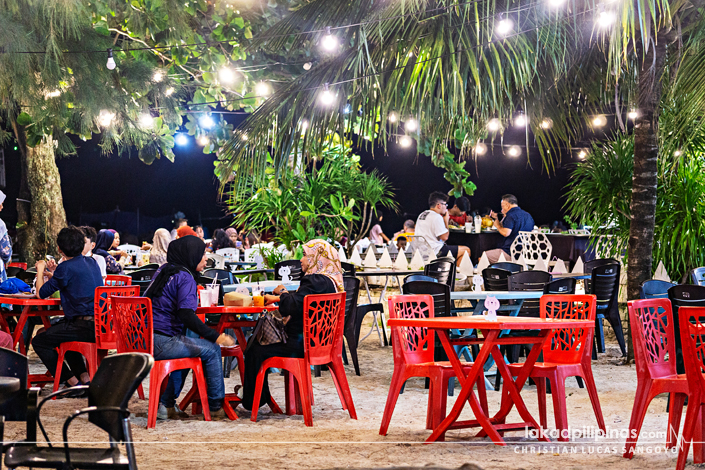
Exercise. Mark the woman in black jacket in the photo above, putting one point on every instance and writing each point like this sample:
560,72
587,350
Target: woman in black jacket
323,275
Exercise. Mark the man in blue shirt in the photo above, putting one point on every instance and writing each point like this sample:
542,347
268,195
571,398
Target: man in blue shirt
515,220
76,278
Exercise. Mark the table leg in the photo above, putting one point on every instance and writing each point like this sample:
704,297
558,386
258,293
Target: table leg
21,321
381,313
375,326
467,393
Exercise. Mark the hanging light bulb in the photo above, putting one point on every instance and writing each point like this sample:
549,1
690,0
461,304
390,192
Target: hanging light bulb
146,120
606,18
582,154
263,89
307,66
514,151
504,26
105,118
556,3
327,97
520,120
493,125
181,139
206,122
632,114
111,62
203,141
226,75
169,91
480,148
329,42
599,121
678,153
411,125
547,123
405,141
392,117
158,76
244,137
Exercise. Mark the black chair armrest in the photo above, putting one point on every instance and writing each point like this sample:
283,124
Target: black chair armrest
76,414
367,308
49,397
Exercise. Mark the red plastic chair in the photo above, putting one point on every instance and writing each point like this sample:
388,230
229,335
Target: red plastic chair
17,265
135,333
117,280
413,357
654,353
566,353
692,328
105,337
324,320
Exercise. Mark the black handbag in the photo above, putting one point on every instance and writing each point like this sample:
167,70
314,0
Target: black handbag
269,329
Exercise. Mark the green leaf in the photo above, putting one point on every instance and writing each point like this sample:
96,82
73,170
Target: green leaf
24,119
239,22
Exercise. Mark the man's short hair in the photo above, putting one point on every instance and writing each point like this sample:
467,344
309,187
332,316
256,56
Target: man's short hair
436,197
409,223
90,233
462,203
511,199
71,241
402,239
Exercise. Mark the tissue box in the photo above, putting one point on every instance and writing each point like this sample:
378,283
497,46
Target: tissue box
234,299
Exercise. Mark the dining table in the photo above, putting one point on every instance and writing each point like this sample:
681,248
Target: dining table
489,340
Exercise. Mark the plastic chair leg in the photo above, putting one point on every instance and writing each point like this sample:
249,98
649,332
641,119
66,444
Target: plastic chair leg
395,386
200,381
674,418
140,392
594,397
59,367
156,381
559,405
541,392
691,419
641,403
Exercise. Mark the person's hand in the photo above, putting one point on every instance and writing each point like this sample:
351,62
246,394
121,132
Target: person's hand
493,215
51,265
270,299
279,290
146,246
40,265
225,340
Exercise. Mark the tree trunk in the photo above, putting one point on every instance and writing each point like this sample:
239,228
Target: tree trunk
40,220
643,204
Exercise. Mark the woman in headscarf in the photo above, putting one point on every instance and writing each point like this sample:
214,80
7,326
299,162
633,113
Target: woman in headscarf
185,230
322,275
232,235
160,244
103,243
174,296
220,240
5,244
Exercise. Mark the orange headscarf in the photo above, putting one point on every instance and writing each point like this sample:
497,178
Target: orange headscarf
323,259
185,230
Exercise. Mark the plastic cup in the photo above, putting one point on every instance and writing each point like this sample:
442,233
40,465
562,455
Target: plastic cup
205,297
258,301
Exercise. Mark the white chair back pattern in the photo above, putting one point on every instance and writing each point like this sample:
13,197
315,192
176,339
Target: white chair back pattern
217,259
418,242
231,254
250,254
533,245
131,250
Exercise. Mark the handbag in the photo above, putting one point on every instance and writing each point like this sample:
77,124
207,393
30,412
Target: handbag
269,329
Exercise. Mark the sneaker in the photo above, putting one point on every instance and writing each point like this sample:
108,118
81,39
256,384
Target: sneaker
171,413
219,415
162,412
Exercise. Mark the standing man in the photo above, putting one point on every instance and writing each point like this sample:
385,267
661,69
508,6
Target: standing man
432,225
515,220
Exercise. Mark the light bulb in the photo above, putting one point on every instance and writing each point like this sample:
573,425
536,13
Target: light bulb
632,114
606,19
411,125
329,42
392,118
504,27
556,3
169,91
158,76
203,141
304,125
226,75
327,97
347,109
582,154
262,89
493,125
244,137
514,151
405,141
599,121
547,123
678,153
181,139
206,122
307,66
105,118
480,148
520,121
146,120
111,62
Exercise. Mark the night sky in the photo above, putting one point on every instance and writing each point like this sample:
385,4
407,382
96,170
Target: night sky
93,183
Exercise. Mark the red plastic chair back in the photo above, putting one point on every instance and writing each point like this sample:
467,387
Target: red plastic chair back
323,327
105,337
568,345
653,337
133,324
17,265
692,327
412,345
117,280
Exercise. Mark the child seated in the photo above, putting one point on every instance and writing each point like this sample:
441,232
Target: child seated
76,278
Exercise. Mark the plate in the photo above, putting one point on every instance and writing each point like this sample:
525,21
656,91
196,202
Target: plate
27,295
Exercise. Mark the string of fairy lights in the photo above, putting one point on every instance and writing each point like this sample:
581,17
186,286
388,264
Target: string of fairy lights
329,43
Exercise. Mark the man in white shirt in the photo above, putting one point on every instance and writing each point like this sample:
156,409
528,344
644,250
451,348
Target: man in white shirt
432,225
91,235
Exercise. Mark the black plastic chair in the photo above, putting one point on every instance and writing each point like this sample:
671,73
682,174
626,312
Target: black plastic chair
697,276
150,266
592,264
223,275
20,405
440,293
511,267
604,285
348,269
115,381
142,278
560,286
443,270
354,315
529,281
13,271
419,277
295,267
683,295
496,279
654,289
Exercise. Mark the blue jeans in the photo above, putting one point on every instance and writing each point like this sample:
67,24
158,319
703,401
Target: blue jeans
176,347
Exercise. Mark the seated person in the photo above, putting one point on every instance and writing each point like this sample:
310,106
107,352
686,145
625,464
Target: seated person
220,240
401,243
76,278
159,246
174,296
432,225
409,227
199,231
234,237
377,236
103,243
458,214
185,230
91,236
322,275
515,220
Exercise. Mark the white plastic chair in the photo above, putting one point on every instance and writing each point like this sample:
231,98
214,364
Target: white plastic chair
250,254
533,245
418,242
231,254
219,261
132,250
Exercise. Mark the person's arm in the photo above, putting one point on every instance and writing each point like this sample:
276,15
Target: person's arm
112,266
193,323
384,237
444,236
44,289
504,231
6,248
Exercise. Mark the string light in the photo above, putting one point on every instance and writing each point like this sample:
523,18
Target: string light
52,94
226,75
181,139
514,151
206,122
493,125
329,42
480,148
582,154
263,89
411,125
547,123
304,125
111,62
146,120
169,91
105,118
347,109
520,120
392,118
599,121
327,97
606,18
203,141
158,76
504,26
556,3
632,114
405,141
244,137
678,153
307,66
